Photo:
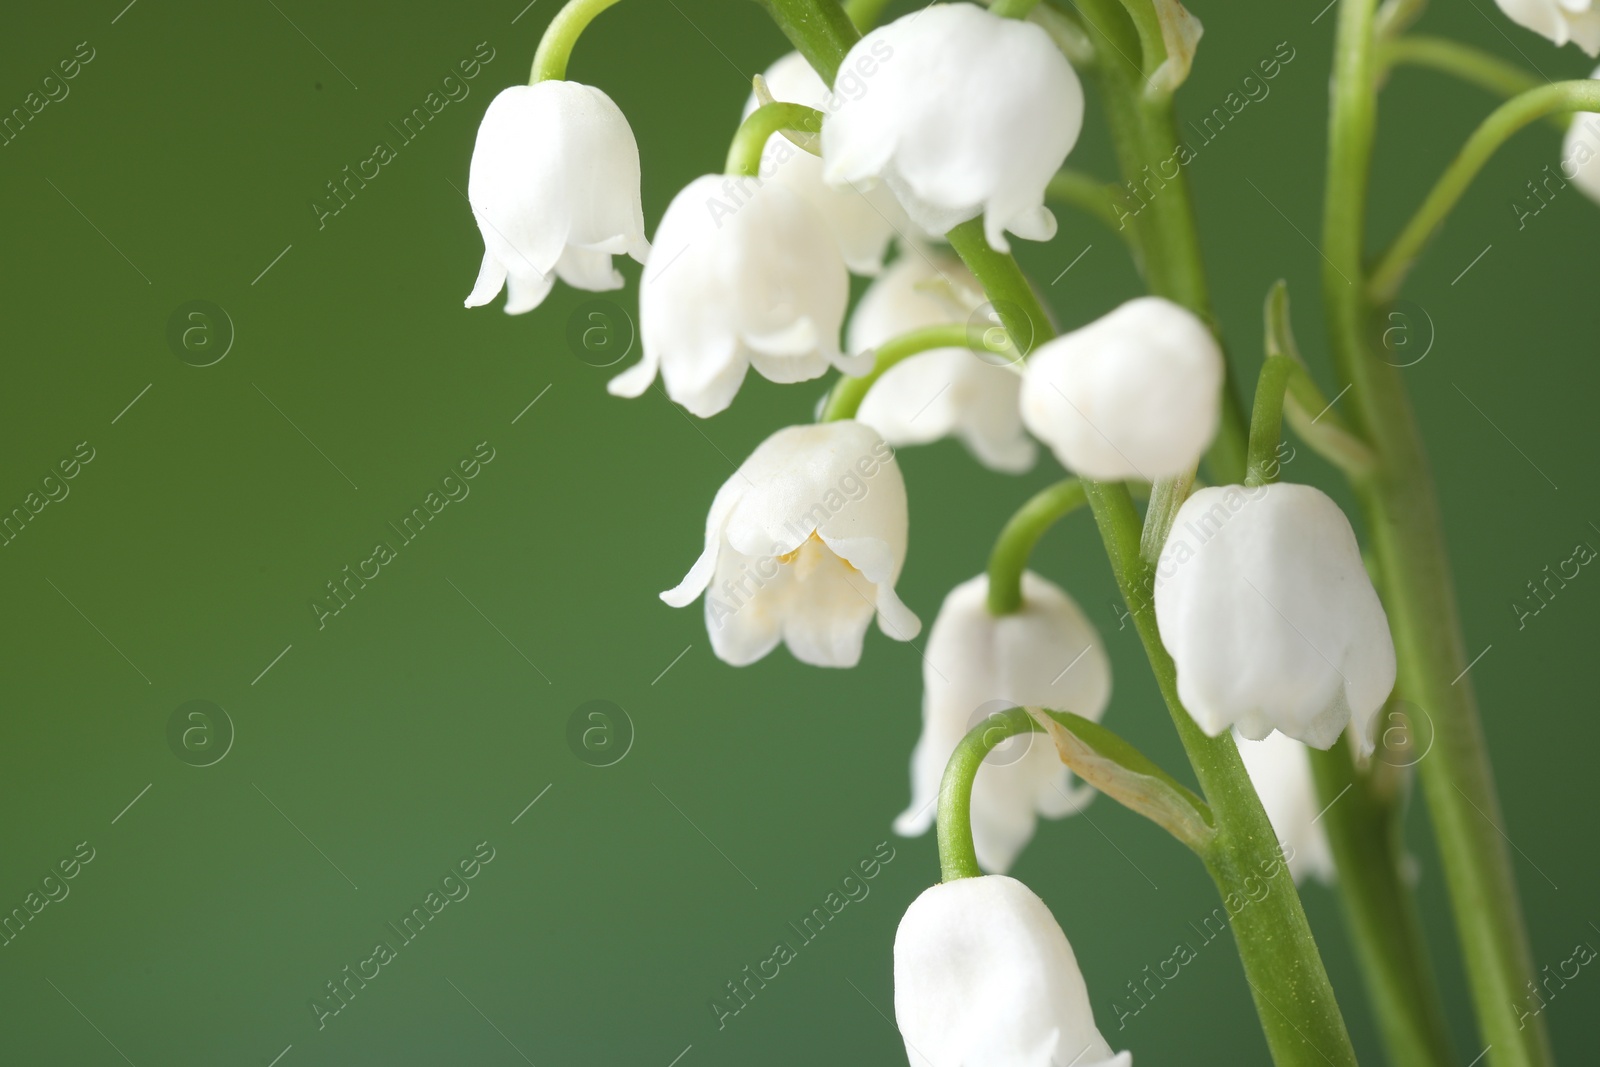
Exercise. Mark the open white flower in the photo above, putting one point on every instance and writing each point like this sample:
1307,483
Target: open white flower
1047,655
742,274
1263,602
961,113
1280,769
554,186
984,975
1580,151
803,545
863,222
945,391
1135,394
1577,21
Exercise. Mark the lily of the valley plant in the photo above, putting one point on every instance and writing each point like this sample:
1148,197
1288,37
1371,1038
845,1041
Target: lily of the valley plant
916,150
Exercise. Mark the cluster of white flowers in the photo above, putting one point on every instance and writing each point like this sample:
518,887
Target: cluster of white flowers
1261,596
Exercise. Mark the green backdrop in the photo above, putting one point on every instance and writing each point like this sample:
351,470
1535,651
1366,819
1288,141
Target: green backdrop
355,760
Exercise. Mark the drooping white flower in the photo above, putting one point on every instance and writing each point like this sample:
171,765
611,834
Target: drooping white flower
961,113
945,391
1263,602
1046,655
1134,394
1577,21
863,222
554,186
984,975
1280,768
803,545
741,275
1580,151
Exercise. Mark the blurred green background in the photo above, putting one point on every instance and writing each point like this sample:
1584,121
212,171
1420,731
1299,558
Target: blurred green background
371,755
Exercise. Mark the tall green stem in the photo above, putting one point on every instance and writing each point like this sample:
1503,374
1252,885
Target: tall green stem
1380,912
1408,543
1015,543
1495,130
555,47
1293,996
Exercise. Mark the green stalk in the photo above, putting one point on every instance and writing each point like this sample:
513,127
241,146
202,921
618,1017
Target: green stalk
848,393
1472,65
750,139
820,30
1091,196
1013,9
1015,543
1293,996
1495,130
865,13
1408,544
958,858
555,47
1381,913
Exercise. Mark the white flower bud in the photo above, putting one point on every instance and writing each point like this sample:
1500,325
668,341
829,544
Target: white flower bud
984,975
803,545
1280,769
943,392
554,186
1135,394
961,113
1046,655
1263,602
1577,21
741,275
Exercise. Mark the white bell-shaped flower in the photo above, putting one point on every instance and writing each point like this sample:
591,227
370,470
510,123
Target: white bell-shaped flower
803,545
742,274
1046,655
1263,602
1135,394
943,392
1580,151
1280,769
1577,21
984,975
554,186
961,113
863,222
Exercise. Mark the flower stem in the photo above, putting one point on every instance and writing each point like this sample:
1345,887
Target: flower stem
1472,65
820,30
555,47
1364,830
1408,544
865,13
1507,119
845,399
1266,420
1093,197
750,139
1293,996
1015,543
957,856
